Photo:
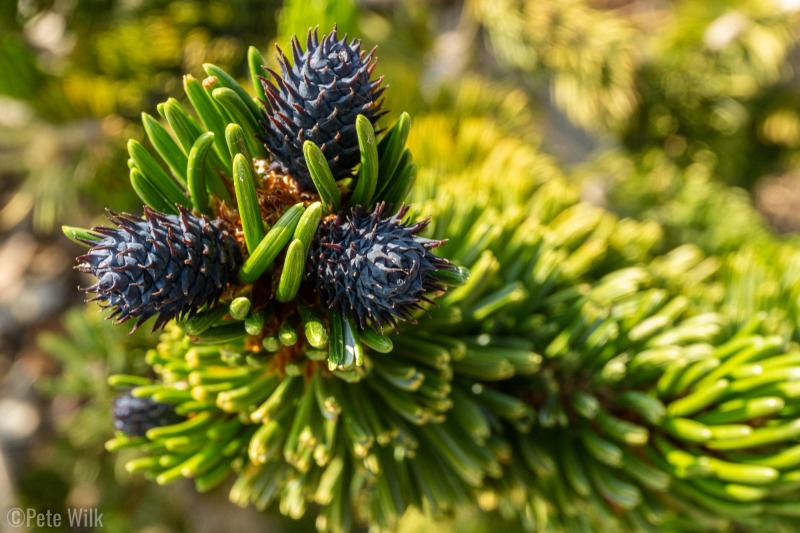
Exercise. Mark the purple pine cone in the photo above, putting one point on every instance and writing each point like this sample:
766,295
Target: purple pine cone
164,265
318,99
134,416
375,269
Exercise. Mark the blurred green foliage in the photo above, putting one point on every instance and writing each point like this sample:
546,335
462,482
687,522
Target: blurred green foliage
74,469
76,77
707,82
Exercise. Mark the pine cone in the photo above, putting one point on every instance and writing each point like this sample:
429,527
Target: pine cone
165,265
375,270
318,100
134,416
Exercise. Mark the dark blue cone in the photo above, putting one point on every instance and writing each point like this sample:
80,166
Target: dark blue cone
375,269
134,416
165,265
318,99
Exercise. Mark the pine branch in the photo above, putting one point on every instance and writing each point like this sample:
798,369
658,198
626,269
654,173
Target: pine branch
546,361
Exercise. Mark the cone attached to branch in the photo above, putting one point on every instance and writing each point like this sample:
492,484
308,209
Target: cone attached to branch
374,269
317,99
164,265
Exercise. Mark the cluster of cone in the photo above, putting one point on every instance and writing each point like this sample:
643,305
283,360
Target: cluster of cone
375,270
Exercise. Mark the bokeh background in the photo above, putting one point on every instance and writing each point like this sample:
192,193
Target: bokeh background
682,112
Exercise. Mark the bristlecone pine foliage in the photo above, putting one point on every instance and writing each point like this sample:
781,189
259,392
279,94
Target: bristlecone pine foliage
574,381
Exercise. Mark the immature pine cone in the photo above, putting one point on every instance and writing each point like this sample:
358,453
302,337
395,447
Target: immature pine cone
375,269
134,416
318,99
165,265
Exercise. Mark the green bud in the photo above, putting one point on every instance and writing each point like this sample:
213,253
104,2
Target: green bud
287,334
254,324
240,307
